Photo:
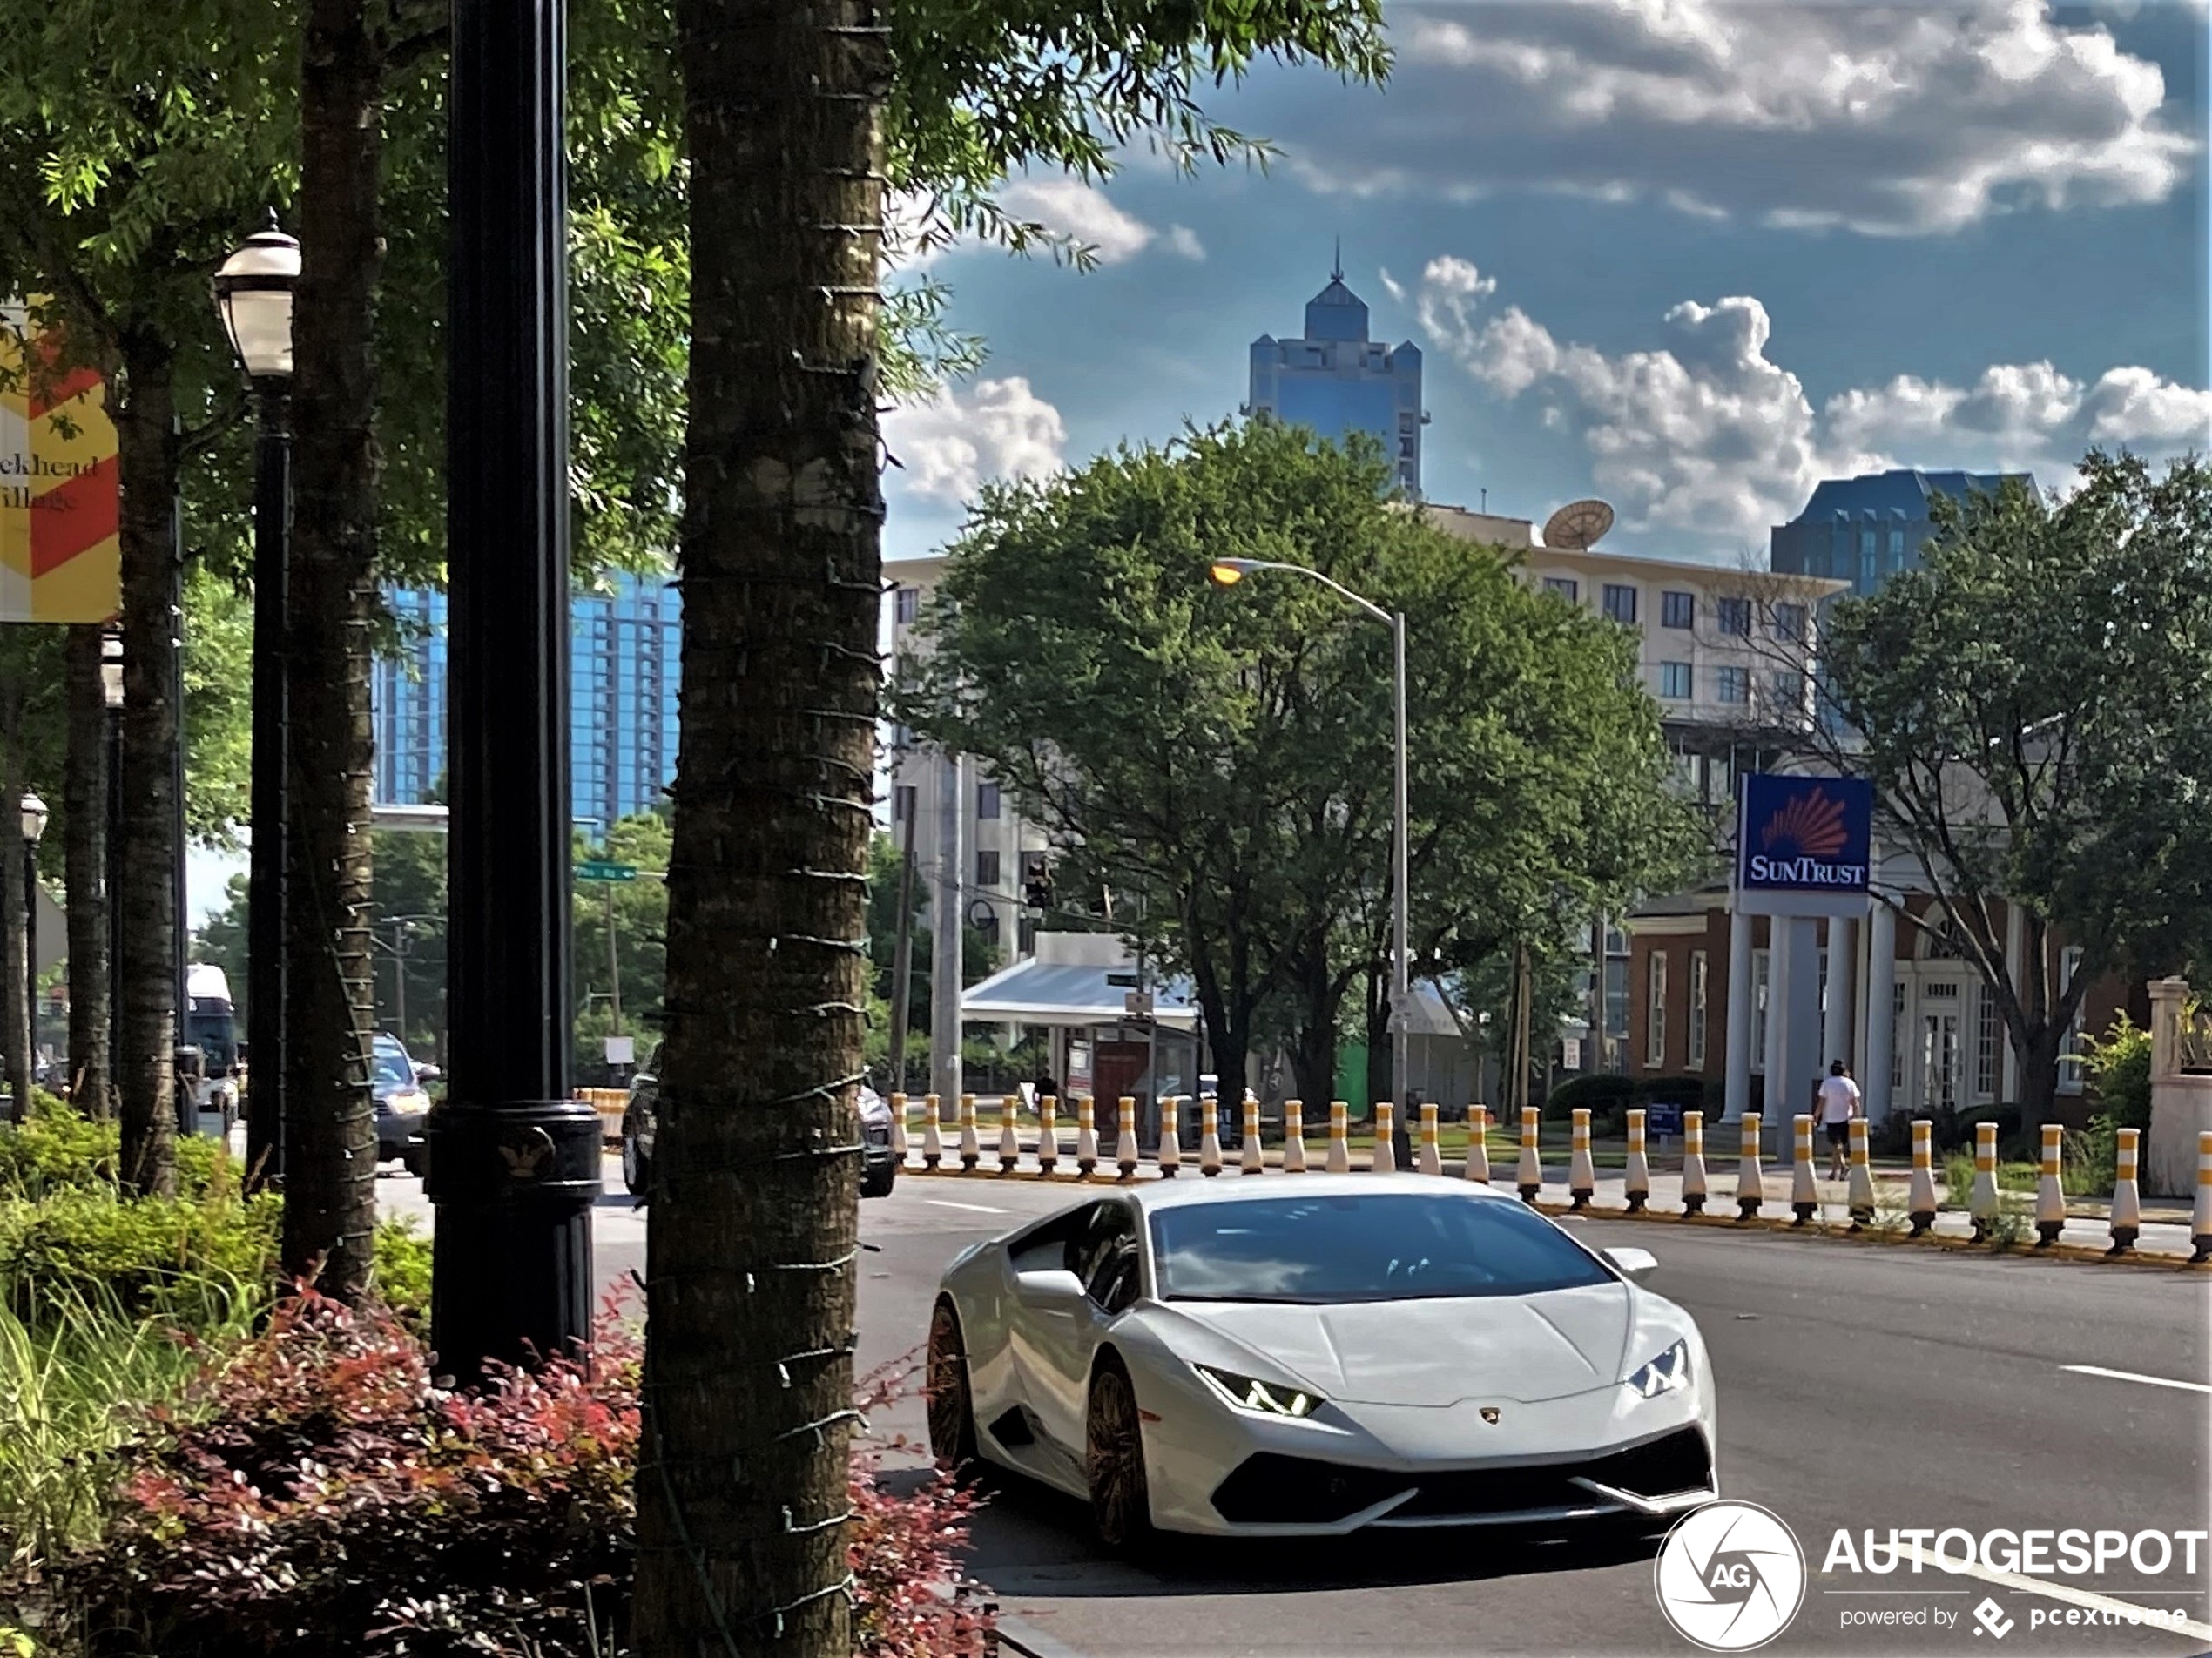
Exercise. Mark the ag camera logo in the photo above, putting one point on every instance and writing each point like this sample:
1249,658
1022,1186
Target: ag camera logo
1729,1576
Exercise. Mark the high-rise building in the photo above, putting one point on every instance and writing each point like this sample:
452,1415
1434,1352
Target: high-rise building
625,646
1867,528
1337,381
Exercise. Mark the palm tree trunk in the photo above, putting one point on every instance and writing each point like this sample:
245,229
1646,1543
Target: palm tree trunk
146,1027
84,851
330,1131
754,1235
15,965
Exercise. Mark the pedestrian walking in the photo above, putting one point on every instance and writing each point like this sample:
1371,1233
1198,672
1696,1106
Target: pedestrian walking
1839,1103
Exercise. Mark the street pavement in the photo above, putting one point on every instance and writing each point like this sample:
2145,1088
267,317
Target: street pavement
1859,1387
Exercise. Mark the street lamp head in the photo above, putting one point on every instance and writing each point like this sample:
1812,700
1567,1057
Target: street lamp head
1227,572
34,818
253,295
111,667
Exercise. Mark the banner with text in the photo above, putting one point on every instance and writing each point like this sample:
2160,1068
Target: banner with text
59,556
1804,846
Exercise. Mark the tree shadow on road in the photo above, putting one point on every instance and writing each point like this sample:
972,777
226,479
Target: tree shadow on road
1030,1539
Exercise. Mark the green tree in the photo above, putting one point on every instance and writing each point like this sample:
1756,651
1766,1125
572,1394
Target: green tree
980,956
1227,755
639,962
2033,706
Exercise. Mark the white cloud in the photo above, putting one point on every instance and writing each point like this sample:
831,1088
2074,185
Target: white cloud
1183,241
948,445
1079,213
1888,120
1703,431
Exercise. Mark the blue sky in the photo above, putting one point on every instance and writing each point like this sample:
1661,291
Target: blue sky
1688,256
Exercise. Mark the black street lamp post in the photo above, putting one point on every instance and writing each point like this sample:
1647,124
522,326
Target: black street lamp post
514,1162
253,292
112,696
34,830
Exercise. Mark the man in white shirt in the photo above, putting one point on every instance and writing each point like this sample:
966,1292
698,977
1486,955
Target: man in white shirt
1839,1103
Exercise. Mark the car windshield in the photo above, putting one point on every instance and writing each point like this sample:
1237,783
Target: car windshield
1361,1247
394,1071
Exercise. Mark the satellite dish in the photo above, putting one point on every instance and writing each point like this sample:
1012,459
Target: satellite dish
1577,525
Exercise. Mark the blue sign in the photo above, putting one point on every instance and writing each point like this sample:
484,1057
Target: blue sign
1805,837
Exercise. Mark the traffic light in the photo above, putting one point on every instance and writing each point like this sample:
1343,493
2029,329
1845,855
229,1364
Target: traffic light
1036,881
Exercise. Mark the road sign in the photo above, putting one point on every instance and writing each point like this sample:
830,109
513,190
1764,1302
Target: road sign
1570,1053
594,869
1137,1003
1125,981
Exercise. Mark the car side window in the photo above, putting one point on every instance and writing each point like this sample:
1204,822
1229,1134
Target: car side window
1107,1258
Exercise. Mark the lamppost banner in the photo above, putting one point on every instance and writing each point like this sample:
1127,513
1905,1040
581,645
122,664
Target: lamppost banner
1804,846
59,557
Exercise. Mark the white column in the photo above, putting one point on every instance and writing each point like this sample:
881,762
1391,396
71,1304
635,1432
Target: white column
1843,984
1860,949
1736,1078
1881,1010
1779,967
1801,1062
947,912
2015,965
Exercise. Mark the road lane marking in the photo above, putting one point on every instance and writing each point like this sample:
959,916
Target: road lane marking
980,1208
2137,1375
2065,1592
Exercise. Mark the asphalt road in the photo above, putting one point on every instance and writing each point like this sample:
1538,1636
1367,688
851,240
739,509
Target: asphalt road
1859,1387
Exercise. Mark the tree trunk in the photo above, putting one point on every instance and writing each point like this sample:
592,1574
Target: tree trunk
1314,1054
147,1025
15,965
85,850
742,1487
330,1131
2038,1066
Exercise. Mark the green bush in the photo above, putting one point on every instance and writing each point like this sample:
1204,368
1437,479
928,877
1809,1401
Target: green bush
60,1147
83,1244
1603,1093
1687,1091
2119,1063
401,1273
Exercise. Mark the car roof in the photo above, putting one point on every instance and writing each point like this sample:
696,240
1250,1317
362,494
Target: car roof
1234,1188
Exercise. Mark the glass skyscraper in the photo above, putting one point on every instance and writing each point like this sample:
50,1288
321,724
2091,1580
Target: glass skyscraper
1864,530
624,652
1338,381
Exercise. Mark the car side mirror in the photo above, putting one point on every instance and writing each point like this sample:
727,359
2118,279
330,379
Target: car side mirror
1051,1284
1634,1264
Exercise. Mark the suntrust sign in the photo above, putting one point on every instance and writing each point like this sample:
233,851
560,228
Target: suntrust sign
1803,842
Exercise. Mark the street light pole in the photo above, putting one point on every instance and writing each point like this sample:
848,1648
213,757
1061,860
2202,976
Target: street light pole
253,293
514,1161
34,830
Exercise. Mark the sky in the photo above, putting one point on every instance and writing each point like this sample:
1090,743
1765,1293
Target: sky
1690,256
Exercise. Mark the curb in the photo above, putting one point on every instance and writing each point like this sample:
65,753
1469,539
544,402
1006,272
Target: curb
1013,1635
2080,1254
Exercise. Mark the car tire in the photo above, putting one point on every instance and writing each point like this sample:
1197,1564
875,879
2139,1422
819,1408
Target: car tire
1120,1502
637,1167
872,1185
951,1407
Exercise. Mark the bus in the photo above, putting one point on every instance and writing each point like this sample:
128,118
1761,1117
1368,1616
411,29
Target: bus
211,1025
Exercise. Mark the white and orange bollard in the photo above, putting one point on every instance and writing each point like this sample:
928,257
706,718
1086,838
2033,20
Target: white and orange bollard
971,1150
1919,1191
1636,1183
1294,1136
1750,1178
1432,1152
1049,1135
1086,1136
1208,1136
1478,1164
1339,1137
1528,1174
2127,1200
1805,1195
1981,1200
1125,1141
899,1127
2201,1215
1693,1163
932,1132
1254,1160
1170,1157
1858,1191
1581,1168
1009,1134
2050,1188
1385,1160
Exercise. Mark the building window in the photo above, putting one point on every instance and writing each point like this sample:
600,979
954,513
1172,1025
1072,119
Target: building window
1695,1057
1655,1011
1736,618
906,605
1733,684
986,867
1026,932
1788,689
1867,538
902,803
986,800
1789,623
2070,1054
1675,681
1988,1079
1566,586
1677,609
987,928
1758,1012
1897,547
1897,1038
1621,602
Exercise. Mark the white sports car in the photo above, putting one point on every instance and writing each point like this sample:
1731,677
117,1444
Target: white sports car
1316,1354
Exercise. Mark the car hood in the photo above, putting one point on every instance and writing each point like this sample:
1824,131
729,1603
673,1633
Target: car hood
1439,1351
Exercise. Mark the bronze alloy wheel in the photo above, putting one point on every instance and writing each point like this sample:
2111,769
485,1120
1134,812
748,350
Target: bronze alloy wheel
952,1413
1114,1460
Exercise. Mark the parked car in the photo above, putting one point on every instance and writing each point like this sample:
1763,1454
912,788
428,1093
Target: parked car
878,1168
400,1104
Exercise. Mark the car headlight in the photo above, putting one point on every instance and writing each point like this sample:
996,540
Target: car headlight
1260,1399
1664,1374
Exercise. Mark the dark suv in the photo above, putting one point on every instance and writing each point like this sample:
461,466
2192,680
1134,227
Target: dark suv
878,1167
